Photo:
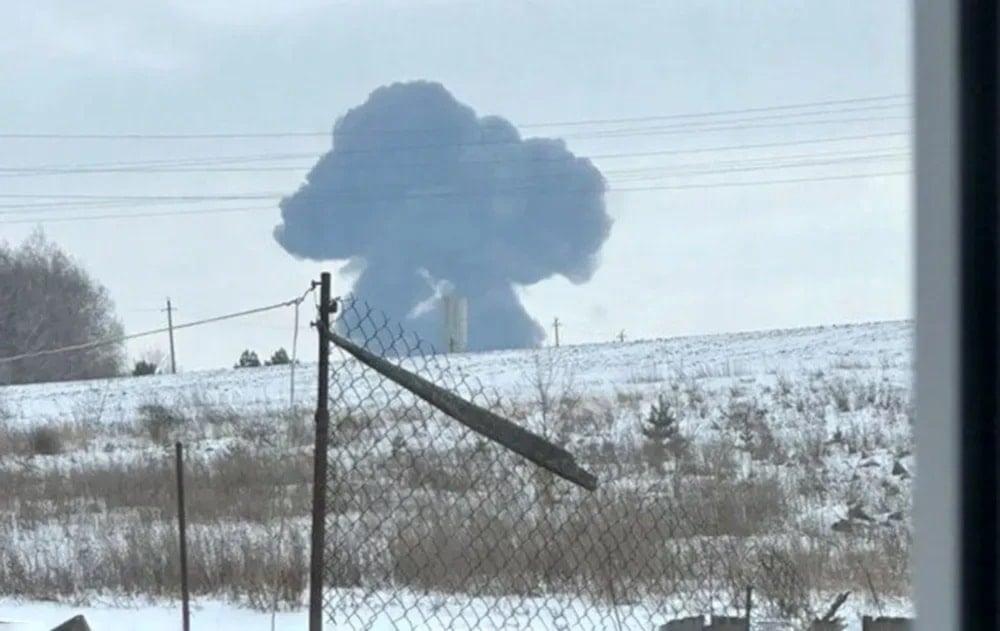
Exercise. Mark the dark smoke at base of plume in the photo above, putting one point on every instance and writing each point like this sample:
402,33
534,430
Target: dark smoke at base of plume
417,188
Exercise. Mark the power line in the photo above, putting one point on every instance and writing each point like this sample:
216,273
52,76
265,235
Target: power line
124,338
708,185
673,117
134,198
216,163
747,110
164,213
190,161
688,127
648,172
296,134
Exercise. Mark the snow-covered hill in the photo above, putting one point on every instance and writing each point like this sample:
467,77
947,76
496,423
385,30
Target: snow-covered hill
791,472
599,369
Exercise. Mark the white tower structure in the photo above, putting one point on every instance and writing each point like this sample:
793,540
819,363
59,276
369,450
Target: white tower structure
456,322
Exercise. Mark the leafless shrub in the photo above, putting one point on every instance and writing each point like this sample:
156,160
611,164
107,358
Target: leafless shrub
88,410
648,373
839,391
216,415
719,369
160,422
613,457
628,400
6,414
748,419
438,472
226,486
46,440
696,398
622,538
298,425
137,559
845,362
715,459
50,438
556,405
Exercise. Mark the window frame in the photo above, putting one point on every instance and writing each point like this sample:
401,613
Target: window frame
956,131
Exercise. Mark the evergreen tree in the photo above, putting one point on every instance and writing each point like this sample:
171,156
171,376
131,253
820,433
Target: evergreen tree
279,358
248,359
143,367
662,432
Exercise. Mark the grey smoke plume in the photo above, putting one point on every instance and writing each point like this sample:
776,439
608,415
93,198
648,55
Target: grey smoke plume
420,193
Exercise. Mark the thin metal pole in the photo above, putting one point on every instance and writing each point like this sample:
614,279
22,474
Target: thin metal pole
182,527
749,607
320,459
170,327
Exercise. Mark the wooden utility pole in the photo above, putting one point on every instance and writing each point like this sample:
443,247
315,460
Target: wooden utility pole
170,327
621,336
555,326
316,562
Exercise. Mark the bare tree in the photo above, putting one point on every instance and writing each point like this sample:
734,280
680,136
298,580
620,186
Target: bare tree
48,301
556,403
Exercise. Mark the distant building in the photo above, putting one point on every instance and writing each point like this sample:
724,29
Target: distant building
456,322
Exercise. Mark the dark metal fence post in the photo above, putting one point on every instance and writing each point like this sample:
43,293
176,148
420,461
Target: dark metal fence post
319,459
749,604
182,527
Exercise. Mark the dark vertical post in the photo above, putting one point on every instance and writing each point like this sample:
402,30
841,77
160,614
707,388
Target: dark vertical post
979,240
319,459
170,328
555,326
182,527
749,606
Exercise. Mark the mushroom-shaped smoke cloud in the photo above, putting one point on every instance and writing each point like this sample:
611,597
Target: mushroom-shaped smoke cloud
421,194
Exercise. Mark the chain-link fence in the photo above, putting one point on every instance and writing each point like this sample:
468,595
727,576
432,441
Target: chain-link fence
430,525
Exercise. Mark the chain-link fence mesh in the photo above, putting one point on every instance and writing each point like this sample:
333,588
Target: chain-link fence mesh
430,525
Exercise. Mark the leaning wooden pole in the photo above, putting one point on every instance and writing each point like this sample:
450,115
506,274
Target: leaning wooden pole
498,429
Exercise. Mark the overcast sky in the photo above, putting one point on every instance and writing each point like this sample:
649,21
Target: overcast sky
679,261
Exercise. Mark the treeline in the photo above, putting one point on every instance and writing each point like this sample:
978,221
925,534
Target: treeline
48,301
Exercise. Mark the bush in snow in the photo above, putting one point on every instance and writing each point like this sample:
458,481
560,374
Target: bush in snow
662,433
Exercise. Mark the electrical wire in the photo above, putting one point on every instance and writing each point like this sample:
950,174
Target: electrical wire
583,122
671,187
615,175
625,132
217,163
124,338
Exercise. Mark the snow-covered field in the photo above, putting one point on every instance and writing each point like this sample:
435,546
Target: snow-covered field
792,476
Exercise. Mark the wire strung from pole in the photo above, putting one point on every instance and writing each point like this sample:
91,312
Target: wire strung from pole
436,194
124,338
295,341
581,122
217,163
645,132
613,176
